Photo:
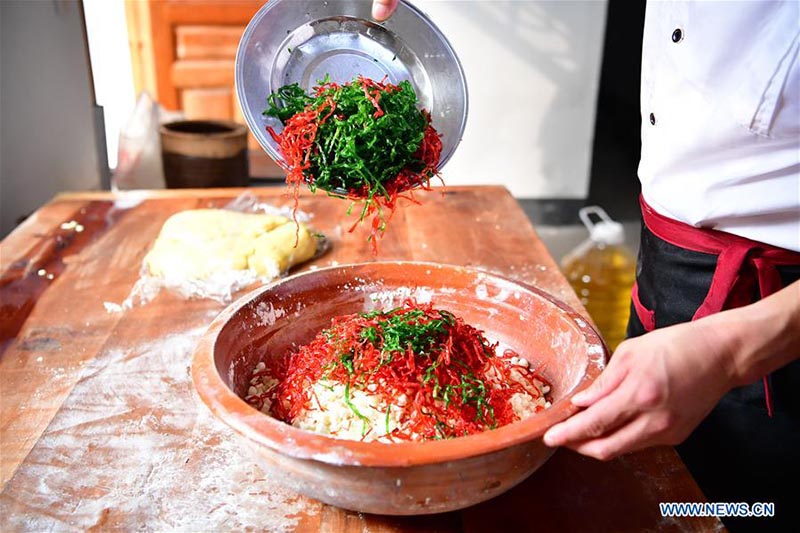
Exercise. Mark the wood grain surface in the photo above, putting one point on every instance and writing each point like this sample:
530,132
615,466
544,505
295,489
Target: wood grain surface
100,428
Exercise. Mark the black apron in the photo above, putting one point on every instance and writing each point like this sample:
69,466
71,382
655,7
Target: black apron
738,453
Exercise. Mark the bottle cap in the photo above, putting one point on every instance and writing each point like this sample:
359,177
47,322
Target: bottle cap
605,231
610,233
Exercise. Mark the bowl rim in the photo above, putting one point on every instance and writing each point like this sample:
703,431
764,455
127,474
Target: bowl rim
288,440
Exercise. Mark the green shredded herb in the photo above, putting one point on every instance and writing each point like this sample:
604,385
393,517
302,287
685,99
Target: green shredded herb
364,419
355,150
364,140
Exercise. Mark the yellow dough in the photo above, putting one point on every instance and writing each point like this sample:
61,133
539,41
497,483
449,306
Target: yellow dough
197,244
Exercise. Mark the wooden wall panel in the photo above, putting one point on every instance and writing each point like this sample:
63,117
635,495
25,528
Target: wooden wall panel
165,33
207,103
187,73
227,12
140,42
207,42
183,53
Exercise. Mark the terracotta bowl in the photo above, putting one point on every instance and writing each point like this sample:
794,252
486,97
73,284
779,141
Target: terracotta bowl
395,478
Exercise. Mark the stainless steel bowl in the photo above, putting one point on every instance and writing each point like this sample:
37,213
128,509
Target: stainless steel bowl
302,41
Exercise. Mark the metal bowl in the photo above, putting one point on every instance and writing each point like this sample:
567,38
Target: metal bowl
302,41
406,477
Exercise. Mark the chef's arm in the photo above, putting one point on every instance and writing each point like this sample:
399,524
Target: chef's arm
383,9
658,387
761,337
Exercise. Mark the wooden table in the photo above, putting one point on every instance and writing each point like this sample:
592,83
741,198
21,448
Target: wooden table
100,427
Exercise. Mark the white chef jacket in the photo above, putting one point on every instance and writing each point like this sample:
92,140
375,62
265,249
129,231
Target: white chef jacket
721,116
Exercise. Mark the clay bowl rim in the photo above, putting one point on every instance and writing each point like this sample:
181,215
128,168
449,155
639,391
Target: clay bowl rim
288,440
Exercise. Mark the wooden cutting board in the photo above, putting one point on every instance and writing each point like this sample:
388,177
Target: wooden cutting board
100,427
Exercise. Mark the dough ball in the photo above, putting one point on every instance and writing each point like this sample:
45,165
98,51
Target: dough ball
199,243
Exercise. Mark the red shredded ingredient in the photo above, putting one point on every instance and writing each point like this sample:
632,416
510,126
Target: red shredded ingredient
448,373
297,143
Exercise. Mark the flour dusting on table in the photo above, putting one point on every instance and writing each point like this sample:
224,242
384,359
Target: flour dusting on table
133,448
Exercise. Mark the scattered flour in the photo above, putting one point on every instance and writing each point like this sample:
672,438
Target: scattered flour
482,292
267,314
132,448
388,299
219,286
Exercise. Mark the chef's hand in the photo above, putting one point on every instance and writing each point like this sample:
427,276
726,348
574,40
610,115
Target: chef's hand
655,390
383,9
658,387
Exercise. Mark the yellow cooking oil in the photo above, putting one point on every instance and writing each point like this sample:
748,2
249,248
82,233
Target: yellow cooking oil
601,271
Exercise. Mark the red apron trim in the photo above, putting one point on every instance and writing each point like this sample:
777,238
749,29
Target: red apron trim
741,264
729,264
646,316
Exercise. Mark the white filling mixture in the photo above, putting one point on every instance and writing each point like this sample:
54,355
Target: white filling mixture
328,413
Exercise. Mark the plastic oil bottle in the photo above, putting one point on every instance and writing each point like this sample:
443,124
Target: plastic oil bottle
601,271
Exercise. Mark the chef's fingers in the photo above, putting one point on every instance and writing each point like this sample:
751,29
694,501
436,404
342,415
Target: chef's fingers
383,9
629,438
607,381
599,419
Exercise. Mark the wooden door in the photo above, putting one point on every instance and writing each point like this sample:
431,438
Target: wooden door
183,53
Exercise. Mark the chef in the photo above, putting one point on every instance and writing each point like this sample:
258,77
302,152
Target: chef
712,364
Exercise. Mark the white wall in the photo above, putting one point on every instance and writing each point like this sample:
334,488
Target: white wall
107,33
46,110
532,70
